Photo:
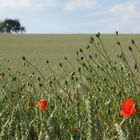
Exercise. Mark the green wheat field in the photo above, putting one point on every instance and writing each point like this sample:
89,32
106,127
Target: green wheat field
70,87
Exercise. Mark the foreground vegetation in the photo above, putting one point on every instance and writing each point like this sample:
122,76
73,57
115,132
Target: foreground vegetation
97,98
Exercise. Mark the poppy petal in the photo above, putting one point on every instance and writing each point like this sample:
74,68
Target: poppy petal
128,108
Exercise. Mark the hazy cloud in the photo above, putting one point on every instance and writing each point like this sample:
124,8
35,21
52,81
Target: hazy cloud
123,9
74,4
26,3
125,16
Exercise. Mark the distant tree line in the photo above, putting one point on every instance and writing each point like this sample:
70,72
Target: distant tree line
11,26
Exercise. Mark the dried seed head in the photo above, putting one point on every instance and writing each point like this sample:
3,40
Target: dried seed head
54,79
98,35
128,74
79,69
73,73
98,66
130,48
114,68
91,42
122,56
65,58
40,84
50,82
82,57
72,78
117,33
92,39
133,42
87,47
105,79
118,43
23,58
121,68
76,79
47,61
136,66
99,89
96,55
14,78
3,74
39,78
81,50
77,52
84,65
60,64
102,69
90,56
66,83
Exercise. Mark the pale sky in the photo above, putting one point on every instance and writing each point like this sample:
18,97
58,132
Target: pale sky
74,16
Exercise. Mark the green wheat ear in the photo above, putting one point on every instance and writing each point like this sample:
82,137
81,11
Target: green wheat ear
4,128
90,114
17,132
77,110
12,126
120,133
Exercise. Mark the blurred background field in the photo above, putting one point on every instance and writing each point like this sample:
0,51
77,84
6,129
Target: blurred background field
53,47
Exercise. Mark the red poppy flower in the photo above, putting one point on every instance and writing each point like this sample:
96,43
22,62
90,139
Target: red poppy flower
43,104
74,93
74,131
31,104
128,108
2,77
